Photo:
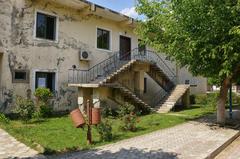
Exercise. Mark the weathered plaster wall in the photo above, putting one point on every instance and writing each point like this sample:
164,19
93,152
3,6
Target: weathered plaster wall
21,50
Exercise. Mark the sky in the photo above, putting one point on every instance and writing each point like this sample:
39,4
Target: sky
126,7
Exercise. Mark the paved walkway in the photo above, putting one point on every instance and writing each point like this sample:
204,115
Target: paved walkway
11,148
192,140
231,152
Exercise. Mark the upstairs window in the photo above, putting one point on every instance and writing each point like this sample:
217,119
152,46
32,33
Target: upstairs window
46,26
103,39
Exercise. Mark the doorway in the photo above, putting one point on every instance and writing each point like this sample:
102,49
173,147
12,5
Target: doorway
125,48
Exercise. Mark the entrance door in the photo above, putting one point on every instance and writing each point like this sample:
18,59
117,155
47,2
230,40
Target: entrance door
125,48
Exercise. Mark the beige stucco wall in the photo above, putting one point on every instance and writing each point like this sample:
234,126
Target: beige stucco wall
75,32
21,50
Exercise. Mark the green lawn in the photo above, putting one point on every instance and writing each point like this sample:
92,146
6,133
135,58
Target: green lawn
58,135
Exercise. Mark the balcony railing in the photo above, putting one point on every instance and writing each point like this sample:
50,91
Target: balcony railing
115,62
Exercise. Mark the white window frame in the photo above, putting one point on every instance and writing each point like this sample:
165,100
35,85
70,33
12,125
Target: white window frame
35,26
110,39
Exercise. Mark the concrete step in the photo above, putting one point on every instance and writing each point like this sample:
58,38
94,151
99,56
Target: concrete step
172,99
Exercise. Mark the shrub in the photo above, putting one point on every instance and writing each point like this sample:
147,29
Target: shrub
201,99
4,119
207,99
105,130
24,108
107,110
129,122
235,99
43,94
45,110
125,109
128,117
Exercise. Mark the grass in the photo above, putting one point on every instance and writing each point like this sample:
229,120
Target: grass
57,135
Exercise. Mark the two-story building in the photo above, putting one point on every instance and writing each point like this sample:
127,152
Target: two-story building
80,51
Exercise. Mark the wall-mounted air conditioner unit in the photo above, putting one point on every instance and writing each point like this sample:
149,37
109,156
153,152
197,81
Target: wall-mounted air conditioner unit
84,56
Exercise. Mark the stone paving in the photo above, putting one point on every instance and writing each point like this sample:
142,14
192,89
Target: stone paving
231,152
11,148
192,140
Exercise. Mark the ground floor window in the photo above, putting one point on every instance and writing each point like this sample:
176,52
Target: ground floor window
20,76
145,85
45,80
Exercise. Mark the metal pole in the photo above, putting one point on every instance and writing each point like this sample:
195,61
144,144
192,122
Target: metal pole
89,113
230,102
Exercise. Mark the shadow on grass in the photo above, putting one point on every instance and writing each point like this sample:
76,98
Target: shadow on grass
180,108
119,154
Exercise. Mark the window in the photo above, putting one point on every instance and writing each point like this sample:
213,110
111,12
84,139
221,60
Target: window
46,26
45,80
145,85
103,39
187,82
20,76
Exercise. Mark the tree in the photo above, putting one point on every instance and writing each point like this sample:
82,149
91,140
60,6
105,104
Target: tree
203,35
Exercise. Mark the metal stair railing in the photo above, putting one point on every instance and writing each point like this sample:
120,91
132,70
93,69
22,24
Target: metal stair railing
115,62
158,97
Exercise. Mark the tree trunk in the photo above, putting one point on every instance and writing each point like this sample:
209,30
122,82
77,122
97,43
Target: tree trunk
222,101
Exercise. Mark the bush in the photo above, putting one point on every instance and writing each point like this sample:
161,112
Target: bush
43,94
4,119
235,99
125,109
201,99
105,130
107,110
129,122
24,108
128,117
44,109
207,99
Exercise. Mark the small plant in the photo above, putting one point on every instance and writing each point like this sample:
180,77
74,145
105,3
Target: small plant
44,109
43,112
128,117
4,119
126,109
24,108
129,122
43,94
105,130
107,110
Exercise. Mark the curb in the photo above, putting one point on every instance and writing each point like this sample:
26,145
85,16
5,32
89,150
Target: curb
223,146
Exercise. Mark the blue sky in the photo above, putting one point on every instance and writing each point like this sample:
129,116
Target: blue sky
123,6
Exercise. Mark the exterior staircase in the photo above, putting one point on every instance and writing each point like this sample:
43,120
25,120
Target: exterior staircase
167,83
106,72
171,100
128,94
117,72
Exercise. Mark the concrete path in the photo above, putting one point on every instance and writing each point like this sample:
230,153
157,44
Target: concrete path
11,148
192,140
231,152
